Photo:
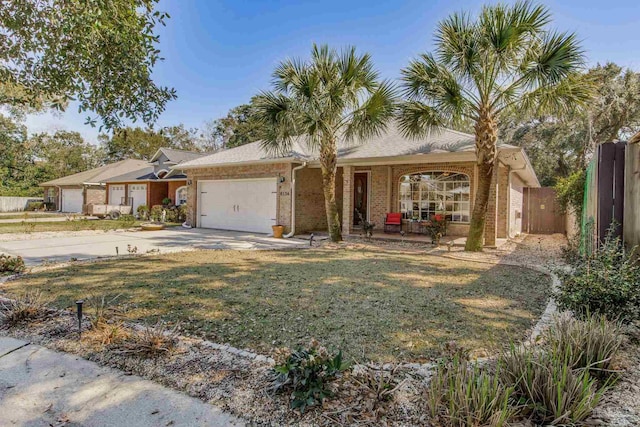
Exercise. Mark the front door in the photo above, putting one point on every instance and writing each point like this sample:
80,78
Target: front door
360,198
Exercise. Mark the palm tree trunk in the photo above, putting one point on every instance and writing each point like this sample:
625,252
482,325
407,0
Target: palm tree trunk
329,166
486,135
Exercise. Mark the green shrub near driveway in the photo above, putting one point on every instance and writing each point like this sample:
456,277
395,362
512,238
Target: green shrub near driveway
11,264
605,282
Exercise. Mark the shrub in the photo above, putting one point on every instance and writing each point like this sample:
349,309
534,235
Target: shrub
461,394
143,212
549,391
126,221
34,206
156,213
171,214
590,344
307,373
182,212
11,264
167,201
605,282
570,191
25,308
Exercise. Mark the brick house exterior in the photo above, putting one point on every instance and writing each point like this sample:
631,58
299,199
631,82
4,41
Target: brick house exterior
160,177
90,183
384,162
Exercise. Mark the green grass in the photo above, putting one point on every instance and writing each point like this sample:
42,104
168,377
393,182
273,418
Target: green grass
76,225
372,303
30,215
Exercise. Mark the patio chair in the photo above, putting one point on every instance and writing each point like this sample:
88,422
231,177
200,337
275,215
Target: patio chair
393,222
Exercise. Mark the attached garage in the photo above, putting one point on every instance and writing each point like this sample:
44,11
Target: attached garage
116,195
238,204
138,195
72,200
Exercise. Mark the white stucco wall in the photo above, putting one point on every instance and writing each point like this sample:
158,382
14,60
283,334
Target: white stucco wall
515,205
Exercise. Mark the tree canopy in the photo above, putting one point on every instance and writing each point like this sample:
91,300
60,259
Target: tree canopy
240,126
142,143
27,161
98,53
561,145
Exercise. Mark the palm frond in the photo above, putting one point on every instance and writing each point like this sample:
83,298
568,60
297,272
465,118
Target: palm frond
372,117
416,119
278,115
288,74
457,45
559,99
555,57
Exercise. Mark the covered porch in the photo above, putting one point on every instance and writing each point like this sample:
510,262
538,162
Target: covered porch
418,192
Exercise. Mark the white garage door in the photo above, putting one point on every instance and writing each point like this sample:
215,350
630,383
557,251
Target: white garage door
138,193
72,200
240,205
116,194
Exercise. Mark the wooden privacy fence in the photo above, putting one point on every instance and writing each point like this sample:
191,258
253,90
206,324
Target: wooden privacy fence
604,205
631,217
541,212
16,204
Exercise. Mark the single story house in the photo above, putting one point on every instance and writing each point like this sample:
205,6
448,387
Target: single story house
248,189
74,192
159,179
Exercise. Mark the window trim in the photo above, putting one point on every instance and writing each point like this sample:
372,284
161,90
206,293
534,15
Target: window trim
399,199
177,199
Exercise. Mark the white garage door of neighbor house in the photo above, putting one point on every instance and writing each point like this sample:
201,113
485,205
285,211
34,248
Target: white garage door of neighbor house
72,200
138,193
116,194
240,205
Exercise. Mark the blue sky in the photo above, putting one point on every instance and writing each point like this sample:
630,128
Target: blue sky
220,53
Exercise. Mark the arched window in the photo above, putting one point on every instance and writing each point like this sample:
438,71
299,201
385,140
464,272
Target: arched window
435,193
181,195
162,173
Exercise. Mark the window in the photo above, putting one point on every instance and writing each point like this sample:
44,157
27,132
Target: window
429,193
181,196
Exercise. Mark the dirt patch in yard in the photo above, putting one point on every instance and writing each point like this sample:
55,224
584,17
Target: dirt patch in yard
374,303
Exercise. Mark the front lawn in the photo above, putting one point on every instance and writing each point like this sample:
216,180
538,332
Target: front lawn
373,303
71,225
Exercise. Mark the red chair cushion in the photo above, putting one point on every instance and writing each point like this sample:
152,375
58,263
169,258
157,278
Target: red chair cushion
393,219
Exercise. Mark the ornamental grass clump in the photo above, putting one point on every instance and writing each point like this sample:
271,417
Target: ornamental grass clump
306,373
590,344
29,307
462,394
547,389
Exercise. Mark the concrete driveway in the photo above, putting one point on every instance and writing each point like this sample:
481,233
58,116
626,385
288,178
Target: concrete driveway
58,249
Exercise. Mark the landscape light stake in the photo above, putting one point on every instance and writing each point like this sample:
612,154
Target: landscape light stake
79,311
117,251
311,239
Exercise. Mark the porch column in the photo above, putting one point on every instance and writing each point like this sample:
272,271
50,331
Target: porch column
490,226
347,199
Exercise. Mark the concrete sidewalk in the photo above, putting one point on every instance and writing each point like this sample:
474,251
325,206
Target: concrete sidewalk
40,387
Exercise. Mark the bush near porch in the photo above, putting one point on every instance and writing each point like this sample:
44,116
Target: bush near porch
371,302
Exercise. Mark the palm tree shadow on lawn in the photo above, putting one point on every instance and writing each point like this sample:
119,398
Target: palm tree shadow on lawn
382,305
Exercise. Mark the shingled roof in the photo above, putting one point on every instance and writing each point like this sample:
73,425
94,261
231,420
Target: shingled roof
99,175
388,144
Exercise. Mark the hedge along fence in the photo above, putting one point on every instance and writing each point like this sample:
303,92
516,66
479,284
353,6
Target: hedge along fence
16,204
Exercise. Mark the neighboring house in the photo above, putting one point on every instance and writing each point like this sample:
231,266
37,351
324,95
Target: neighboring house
247,189
72,193
160,178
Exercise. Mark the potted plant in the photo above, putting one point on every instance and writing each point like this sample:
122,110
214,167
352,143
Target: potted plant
278,230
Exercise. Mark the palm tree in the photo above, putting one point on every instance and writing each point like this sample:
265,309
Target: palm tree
335,95
503,62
